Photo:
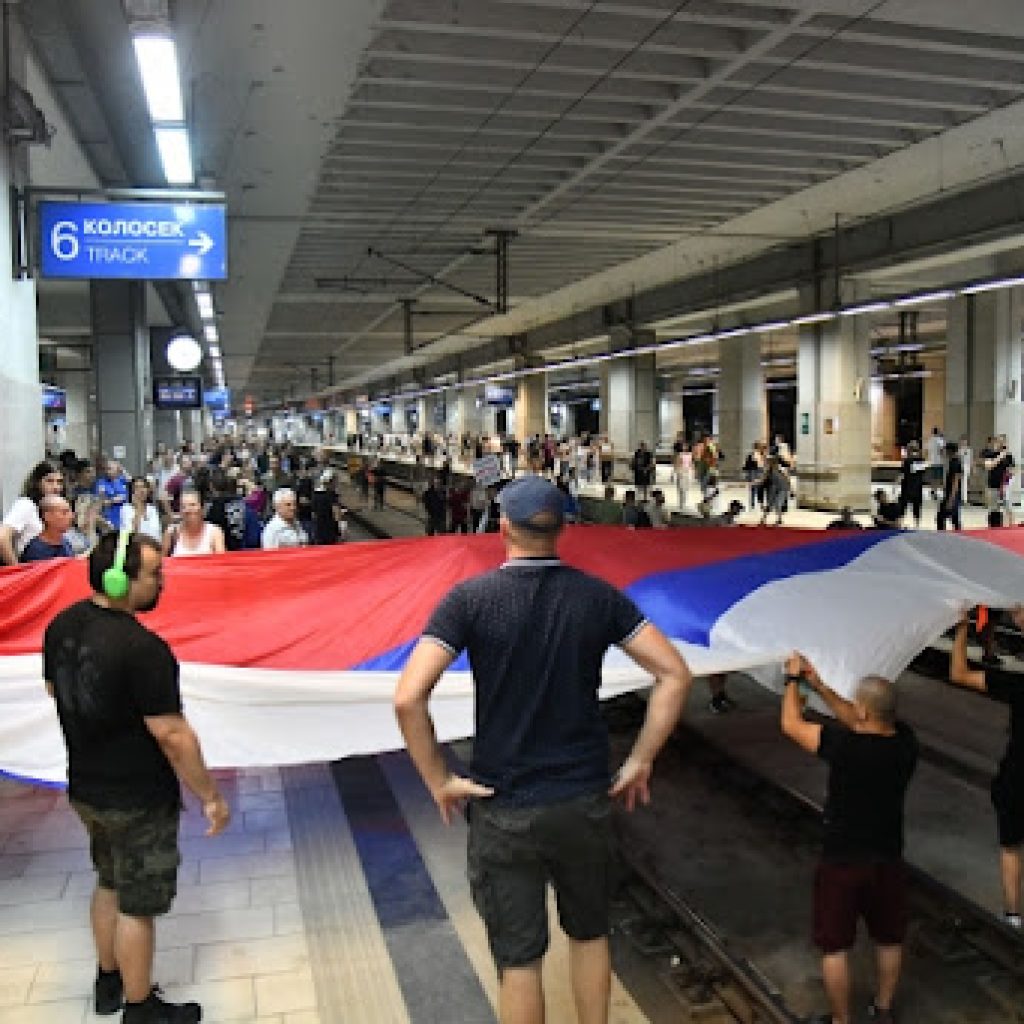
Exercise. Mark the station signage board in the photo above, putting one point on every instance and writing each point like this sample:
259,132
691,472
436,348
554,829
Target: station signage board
178,392
133,241
217,400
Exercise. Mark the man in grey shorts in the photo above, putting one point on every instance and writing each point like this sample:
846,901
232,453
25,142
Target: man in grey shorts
115,685
536,632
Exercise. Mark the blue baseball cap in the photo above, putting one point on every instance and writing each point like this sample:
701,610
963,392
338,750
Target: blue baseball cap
534,503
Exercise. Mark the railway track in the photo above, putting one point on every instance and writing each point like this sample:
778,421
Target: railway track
712,978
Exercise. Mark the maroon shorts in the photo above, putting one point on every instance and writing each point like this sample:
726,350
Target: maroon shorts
845,891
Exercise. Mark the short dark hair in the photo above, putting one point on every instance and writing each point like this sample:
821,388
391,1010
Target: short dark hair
879,696
102,557
33,486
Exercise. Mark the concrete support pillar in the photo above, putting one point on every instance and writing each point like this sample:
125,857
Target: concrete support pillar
983,368
532,406
350,420
192,427
670,416
167,428
123,384
833,436
79,427
741,404
21,403
632,405
489,421
464,415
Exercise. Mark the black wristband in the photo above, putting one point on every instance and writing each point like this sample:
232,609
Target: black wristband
790,678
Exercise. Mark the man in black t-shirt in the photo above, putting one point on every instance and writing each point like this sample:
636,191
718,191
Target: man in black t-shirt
536,632
227,510
1008,785
871,757
115,685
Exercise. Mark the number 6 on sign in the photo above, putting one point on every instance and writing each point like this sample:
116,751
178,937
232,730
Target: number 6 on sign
64,240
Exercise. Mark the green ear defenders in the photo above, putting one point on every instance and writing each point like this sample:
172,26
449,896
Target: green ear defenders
115,579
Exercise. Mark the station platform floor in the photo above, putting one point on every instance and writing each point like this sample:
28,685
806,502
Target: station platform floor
972,516
336,895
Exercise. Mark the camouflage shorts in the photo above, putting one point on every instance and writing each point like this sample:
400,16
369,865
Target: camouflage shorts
135,853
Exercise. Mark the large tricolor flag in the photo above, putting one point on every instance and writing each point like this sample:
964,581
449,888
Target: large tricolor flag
292,656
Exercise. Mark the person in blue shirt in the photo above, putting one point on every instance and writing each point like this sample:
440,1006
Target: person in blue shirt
112,487
51,543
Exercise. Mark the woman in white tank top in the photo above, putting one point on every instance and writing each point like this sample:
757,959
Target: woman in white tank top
193,536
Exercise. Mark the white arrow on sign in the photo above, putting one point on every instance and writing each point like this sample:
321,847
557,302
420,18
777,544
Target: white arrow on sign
204,243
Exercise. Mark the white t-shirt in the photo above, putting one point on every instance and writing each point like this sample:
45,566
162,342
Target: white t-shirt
23,519
150,525
279,534
936,446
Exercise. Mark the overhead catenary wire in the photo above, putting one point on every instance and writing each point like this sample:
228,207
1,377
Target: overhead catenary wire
682,132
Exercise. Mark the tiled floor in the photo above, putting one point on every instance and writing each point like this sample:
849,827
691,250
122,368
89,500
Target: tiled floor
320,903
235,939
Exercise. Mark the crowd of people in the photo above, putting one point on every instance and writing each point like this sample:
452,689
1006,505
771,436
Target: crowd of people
218,497
226,495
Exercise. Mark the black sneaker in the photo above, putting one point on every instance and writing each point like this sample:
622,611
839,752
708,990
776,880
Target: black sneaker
108,993
991,660
156,1011
879,1015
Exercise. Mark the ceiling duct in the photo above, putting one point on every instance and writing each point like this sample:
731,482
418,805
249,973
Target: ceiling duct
147,12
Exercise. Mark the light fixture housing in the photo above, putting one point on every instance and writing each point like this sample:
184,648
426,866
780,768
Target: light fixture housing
175,153
184,353
157,58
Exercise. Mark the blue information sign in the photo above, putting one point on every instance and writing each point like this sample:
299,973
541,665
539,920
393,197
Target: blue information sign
138,241
217,399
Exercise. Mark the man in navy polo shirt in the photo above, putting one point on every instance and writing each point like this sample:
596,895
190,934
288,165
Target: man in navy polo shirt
536,632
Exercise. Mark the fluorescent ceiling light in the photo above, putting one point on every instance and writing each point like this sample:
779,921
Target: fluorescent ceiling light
918,300
989,286
866,307
774,325
735,332
896,349
158,64
812,318
215,352
204,300
175,154
210,333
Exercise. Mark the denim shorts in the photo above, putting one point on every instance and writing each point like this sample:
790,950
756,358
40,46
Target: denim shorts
135,853
514,852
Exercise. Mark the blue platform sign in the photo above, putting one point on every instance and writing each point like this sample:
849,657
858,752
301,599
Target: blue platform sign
136,241
217,400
